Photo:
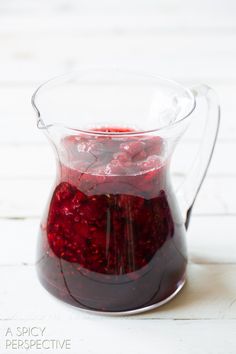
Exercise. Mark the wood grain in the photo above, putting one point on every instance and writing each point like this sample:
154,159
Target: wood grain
190,41
18,120
210,240
100,335
37,161
206,57
209,294
27,197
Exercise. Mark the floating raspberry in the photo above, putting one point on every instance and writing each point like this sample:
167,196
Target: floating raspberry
133,148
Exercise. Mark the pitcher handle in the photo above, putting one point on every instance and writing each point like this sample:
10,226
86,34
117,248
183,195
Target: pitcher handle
192,183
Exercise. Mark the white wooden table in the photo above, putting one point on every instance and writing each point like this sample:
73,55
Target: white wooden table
190,41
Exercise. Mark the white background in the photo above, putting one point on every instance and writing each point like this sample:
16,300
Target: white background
190,41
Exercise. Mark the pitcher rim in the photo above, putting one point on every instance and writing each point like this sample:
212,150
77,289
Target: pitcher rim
41,124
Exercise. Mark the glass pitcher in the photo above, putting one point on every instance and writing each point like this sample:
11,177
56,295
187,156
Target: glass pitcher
113,237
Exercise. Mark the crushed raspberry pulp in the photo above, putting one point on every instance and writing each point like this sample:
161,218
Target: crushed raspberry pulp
112,238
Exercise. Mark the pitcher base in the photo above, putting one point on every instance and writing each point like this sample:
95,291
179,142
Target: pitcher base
138,310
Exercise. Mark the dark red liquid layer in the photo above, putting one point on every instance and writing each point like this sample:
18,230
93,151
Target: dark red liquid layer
112,239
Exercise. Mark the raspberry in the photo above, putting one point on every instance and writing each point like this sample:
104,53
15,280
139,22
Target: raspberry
133,148
154,145
121,157
64,191
140,156
152,162
81,232
115,167
78,199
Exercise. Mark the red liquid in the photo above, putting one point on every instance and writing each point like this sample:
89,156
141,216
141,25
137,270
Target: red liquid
112,239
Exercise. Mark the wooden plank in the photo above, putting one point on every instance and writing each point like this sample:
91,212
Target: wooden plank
167,6
19,240
90,23
156,44
23,198
162,54
100,336
16,112
26,133
167,14
209,294
33,161
27,198
210,240
30,161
